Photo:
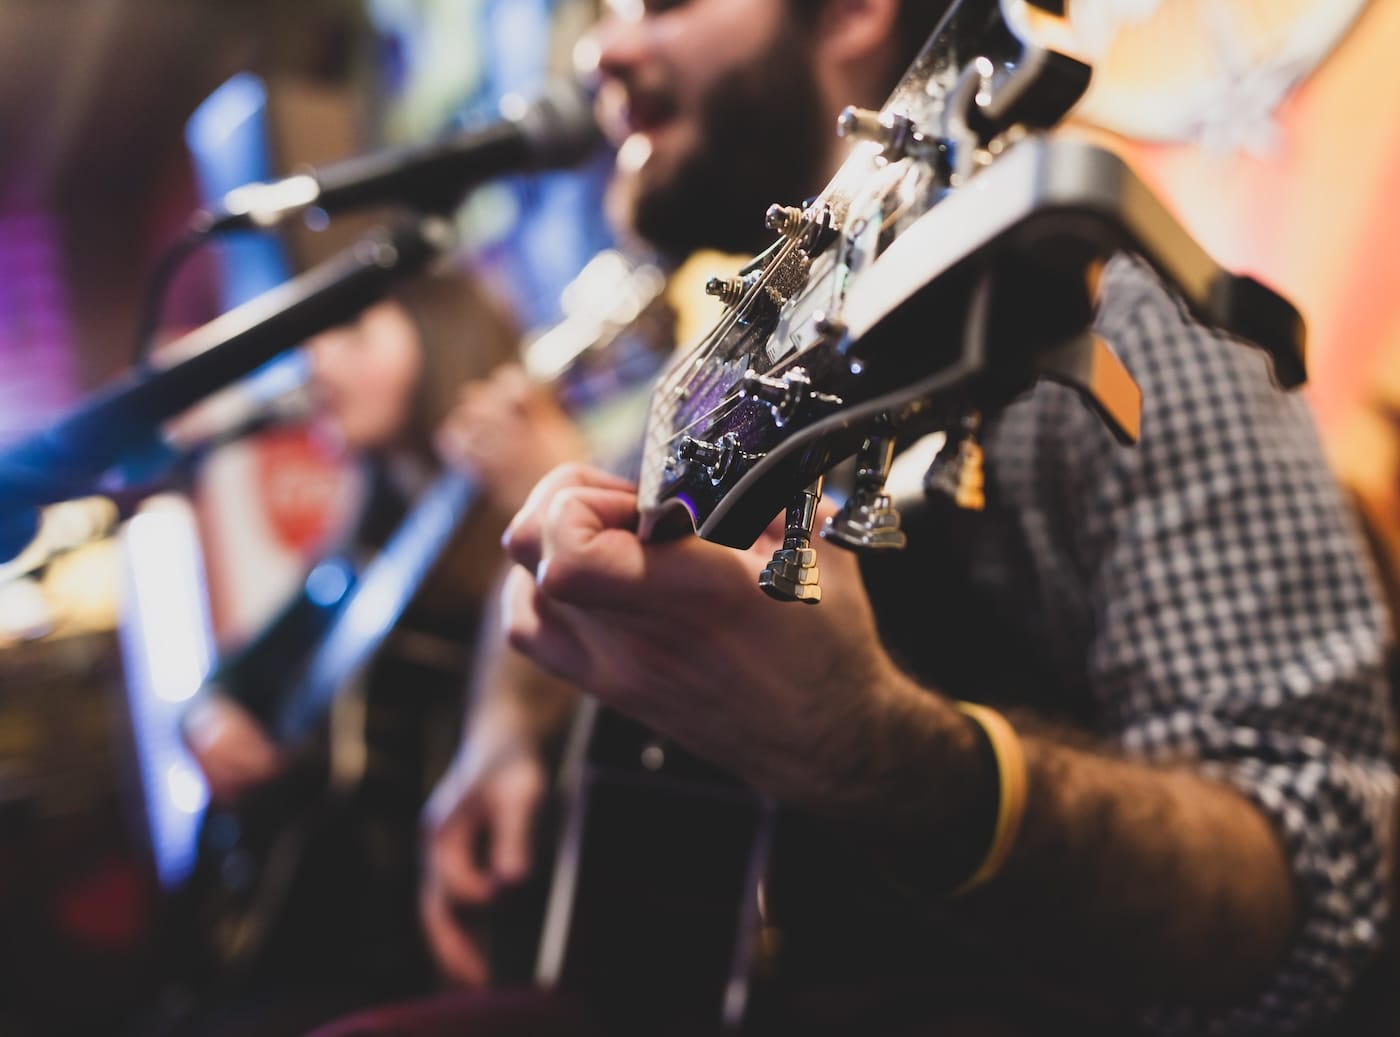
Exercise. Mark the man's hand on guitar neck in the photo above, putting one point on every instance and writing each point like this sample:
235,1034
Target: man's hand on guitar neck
1131,871
679,636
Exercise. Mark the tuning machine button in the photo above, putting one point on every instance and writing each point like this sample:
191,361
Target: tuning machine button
834,333
787,220
733,290
958,472
729,290
831,330
897,135
717,459
792,574
785,395
868,521
886,129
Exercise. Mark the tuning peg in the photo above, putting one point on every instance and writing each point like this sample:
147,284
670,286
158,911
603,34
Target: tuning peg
716,458
783,395
787,220
868,521
897,135
831,329
728,290
958,471
733,290
864,124
792,575
786,394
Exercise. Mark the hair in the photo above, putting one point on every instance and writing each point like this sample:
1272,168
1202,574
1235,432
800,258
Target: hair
463,333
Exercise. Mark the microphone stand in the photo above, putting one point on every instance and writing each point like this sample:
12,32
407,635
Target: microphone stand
122,422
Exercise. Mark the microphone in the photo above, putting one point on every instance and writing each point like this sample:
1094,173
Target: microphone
192,440
77,453
556,131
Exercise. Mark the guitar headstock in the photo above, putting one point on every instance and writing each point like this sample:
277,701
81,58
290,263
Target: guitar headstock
948,266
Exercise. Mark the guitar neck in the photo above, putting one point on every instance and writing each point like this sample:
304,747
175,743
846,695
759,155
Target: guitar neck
384,590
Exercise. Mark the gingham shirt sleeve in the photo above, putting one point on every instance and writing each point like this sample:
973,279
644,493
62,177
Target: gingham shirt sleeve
1233,621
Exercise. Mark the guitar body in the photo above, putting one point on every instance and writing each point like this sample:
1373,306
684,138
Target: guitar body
653,910
311,881
279,897
325,858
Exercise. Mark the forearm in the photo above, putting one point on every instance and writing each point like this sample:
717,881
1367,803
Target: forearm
1154,882
513,692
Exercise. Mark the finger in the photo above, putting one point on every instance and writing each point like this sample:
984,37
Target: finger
251,754
485,410
227,788
540,629
522,536
453,446
458,956
513,822
591,555
513,385
230,747
452,861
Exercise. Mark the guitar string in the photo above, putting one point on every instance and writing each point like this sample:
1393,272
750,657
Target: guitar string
708,346
906,94
716,340
733,401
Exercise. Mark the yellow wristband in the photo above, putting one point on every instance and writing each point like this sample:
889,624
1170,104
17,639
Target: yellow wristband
1011,792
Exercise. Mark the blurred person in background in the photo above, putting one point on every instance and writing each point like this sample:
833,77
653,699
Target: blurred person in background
728,130
344,931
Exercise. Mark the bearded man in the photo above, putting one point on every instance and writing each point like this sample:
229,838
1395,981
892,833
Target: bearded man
1181,639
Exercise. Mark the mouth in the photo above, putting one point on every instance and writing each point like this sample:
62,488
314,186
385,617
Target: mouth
626,109
325,401
648,111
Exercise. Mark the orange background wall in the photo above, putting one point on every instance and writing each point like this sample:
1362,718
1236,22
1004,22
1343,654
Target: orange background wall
1321,222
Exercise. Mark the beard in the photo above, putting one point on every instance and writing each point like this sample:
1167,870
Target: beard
764,139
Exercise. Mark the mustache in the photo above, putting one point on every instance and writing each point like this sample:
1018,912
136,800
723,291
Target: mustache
627,105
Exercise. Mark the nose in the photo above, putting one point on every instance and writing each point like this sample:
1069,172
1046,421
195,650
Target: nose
324,354
620,44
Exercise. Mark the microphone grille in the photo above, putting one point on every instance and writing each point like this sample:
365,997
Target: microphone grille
560,127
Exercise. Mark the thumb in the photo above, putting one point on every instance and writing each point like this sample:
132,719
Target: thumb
452,864
514,821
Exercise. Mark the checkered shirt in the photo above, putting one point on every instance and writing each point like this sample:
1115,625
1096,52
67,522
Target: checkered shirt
1208,588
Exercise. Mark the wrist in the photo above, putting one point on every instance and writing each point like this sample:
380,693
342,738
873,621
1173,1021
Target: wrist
903,760
920,789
